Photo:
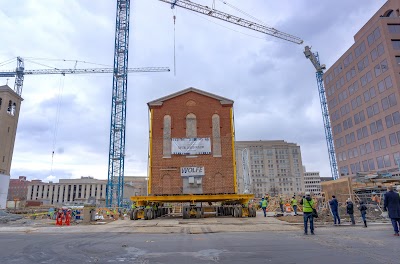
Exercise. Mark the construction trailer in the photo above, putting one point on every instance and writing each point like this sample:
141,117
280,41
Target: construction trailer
192,158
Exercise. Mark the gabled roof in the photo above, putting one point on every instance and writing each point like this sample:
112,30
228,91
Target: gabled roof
6,88
159,102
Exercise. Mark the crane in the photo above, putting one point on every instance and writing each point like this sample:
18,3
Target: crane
20,72
314,58
116,161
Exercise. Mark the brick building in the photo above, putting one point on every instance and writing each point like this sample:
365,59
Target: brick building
18,189
362,89
191,144
10,103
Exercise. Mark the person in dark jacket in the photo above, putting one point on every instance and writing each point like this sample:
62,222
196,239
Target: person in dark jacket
392,205
350,210
335,209
363,210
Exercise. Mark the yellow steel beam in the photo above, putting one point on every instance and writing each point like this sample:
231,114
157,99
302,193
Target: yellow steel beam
233,151
242,198
149,172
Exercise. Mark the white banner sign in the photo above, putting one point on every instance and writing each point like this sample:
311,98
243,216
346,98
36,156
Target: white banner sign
191,146
192,171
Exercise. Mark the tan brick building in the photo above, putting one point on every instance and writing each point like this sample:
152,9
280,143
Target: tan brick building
274,166
362,90
10,104
191,144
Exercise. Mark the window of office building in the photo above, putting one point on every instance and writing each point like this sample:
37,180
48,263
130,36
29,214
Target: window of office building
360,49
372,110
361,65
359,117
353,88
393,119
393,139
394,28
379,161
348,60
356,102
389,101
386,160
373,36
381,68
396,44
345,109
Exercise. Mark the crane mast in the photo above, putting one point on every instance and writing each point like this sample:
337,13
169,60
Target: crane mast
116,160
314,58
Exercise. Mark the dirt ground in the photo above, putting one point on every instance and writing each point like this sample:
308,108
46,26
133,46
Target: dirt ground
324,216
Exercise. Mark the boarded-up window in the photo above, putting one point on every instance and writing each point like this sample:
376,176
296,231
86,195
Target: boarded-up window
216,133
191,126
167,137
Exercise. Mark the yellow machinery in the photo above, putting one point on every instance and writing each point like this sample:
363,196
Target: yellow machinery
236,205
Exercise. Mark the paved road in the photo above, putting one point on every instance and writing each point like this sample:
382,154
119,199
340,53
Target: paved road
330,245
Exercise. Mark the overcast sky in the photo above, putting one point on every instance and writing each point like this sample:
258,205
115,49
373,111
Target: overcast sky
271,82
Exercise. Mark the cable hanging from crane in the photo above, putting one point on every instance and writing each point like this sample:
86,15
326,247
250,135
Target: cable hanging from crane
174,17
57,120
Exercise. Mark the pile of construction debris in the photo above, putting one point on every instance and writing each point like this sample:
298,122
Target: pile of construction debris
6,217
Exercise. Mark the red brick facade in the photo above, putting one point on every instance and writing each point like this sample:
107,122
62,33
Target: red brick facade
164,172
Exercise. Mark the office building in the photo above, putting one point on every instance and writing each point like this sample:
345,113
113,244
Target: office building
312,182
274,166
73,191
362,90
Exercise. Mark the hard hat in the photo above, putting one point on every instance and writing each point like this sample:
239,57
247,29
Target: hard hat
398,187
308,193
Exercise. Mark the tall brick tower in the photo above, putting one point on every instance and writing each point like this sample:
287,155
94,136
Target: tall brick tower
10,104
191,144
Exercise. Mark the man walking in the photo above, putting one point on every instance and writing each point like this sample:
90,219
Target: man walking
363,210
350,210
281,203
308,204
335,209
392,205
263,205
293,202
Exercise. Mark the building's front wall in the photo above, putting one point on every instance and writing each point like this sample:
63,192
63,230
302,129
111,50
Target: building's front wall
18,189
275,167
165,174
364,100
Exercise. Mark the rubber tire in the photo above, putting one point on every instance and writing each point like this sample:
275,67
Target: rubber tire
131,215
185,213
145,214
135,214
198,212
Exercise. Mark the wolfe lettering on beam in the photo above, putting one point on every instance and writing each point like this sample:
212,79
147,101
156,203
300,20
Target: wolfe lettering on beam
192,171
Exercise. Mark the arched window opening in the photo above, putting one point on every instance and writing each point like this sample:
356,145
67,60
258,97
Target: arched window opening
391,13
191,126
167,137
216,134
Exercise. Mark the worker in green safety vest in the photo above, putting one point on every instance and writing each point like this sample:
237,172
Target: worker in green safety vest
263,205
293,202
308,204
133,206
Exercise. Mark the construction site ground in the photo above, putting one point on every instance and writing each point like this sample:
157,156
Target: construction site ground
168,225
210,240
